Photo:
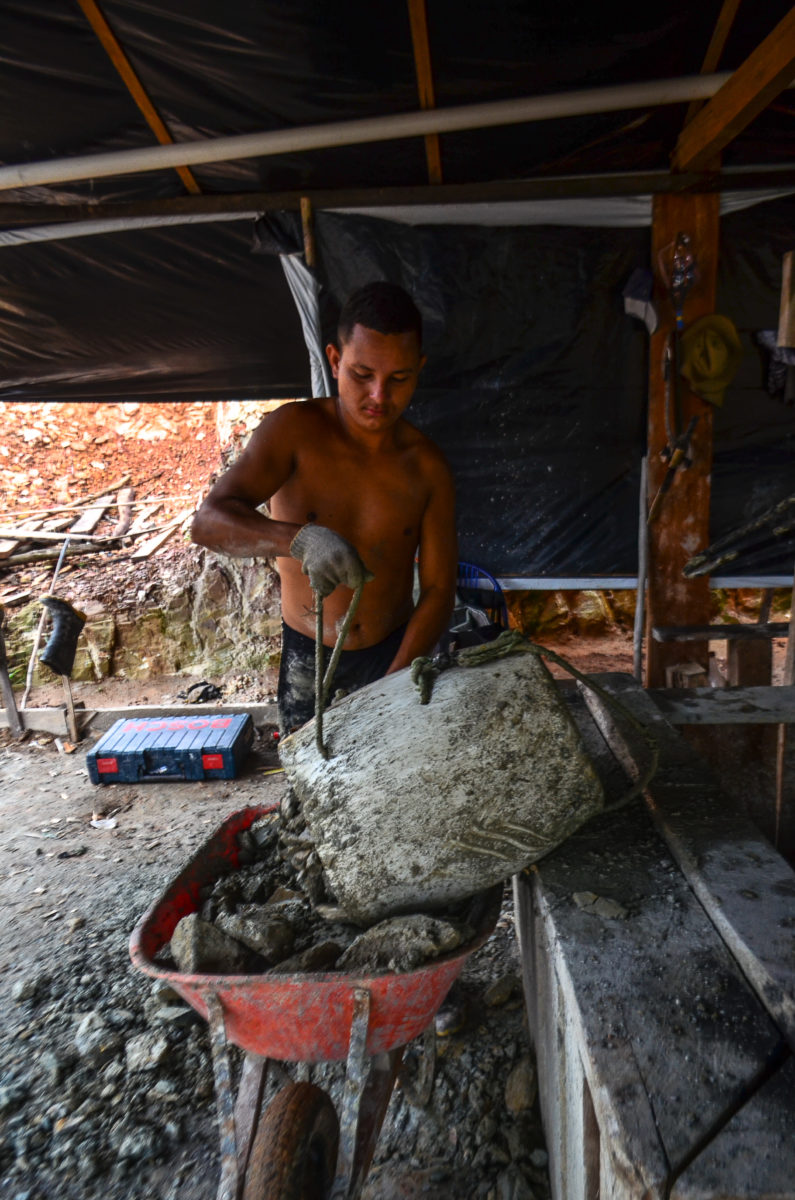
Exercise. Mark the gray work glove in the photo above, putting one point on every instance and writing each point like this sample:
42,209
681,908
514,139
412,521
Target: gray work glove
328,559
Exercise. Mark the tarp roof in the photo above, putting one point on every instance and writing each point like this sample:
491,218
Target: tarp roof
187,311
151,310
215,68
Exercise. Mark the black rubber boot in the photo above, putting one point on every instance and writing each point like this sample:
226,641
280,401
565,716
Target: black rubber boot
59,653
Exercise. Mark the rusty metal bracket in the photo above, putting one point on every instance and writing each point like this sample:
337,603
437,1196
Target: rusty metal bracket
345,1185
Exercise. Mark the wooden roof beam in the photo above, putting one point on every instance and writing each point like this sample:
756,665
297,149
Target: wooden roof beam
765,73
115,52
715,49
422,63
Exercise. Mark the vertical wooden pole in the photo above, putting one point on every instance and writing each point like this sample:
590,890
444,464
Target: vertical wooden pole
308,230
681,527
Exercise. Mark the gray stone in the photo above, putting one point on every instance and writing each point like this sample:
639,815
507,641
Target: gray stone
12,1095
263,931
199,948
95,1041
119,1018
53,1066
501,991
402,943
181,1015
139,1143
521,1087
163,993
27,987
146,1052
487,1128
320,957
165,1091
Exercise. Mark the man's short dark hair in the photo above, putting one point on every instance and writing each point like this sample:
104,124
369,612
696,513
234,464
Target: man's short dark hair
384,307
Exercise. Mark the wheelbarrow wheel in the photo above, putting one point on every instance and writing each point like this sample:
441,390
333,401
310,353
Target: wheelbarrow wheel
294,1154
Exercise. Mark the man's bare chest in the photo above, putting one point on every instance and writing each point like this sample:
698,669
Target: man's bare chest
369,500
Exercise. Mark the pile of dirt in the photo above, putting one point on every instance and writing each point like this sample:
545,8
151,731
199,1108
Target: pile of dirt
54,457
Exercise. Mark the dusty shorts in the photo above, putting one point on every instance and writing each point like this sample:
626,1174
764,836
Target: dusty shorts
296,692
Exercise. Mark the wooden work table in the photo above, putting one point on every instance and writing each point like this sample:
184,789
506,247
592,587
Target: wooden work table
658,949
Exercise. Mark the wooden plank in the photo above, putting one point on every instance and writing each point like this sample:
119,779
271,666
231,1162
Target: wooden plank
715,49
92,516
124,500
15,537
418,18
757,1142
682,526
117,56
718,633
141,522
154,543
41,720
746,888
619,183
726,706
41,535
261,714
765,73
654,998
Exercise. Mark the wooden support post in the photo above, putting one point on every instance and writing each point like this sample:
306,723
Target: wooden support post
681,527
308,230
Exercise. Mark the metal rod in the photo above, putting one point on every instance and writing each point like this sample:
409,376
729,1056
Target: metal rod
40,627
643,566
321,749
369,129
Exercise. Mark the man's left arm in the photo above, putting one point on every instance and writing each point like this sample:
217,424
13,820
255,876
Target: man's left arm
438,562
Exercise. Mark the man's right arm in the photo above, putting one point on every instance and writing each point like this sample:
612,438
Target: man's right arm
228,521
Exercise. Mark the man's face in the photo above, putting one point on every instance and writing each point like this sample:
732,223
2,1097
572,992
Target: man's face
376,375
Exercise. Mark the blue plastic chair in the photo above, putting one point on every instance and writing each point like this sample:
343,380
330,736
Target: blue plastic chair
478,587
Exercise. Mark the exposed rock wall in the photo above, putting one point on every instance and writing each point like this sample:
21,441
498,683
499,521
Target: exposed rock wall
206,614
594,613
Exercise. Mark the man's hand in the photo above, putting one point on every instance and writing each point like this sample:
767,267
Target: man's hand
328,559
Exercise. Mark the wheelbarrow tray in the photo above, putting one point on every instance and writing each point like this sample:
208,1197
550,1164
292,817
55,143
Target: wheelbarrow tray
306,1017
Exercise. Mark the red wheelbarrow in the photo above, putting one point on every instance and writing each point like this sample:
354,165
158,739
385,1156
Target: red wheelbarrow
299,1148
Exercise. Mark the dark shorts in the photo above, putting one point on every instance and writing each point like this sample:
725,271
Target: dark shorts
296,694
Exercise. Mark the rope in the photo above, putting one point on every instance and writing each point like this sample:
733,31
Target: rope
513,642
323,682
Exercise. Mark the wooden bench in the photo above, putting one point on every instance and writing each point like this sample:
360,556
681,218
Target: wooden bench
663,1014
749,649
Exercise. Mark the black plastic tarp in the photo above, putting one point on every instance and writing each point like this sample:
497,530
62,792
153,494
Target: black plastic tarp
536,381
213,69
149,314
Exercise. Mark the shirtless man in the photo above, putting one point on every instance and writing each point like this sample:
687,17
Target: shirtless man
354,491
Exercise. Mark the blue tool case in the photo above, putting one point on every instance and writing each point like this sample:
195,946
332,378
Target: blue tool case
160,749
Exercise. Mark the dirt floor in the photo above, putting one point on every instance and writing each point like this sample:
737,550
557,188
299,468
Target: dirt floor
106,1083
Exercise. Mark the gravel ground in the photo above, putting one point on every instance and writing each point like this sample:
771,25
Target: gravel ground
106,1085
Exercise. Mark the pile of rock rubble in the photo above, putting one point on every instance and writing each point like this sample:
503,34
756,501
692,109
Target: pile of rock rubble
258,918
